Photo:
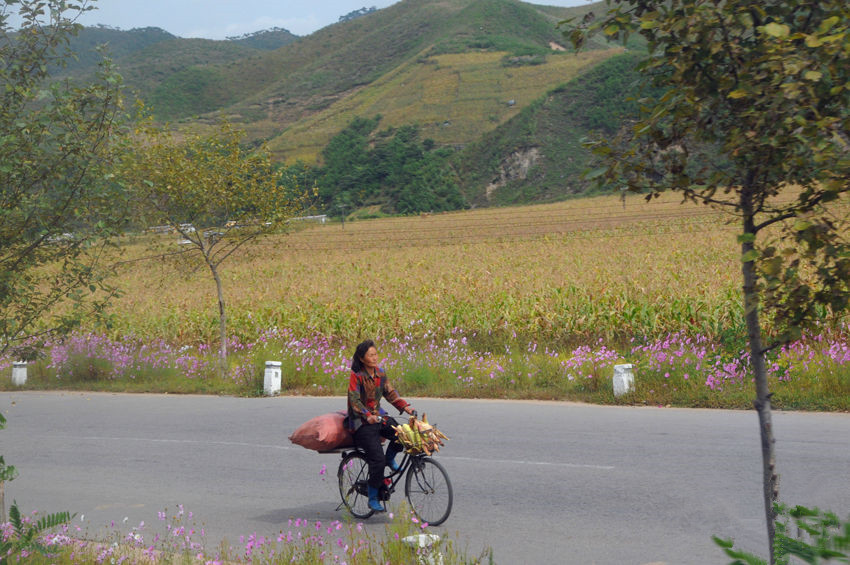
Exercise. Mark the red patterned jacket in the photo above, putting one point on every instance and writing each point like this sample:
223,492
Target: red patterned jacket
364,396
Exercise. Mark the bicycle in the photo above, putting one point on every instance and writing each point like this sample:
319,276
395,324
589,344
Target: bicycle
427,486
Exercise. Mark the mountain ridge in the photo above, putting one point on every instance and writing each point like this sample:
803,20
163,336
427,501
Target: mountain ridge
462,71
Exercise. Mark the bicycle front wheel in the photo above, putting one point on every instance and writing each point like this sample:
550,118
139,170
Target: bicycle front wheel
353,476
428,490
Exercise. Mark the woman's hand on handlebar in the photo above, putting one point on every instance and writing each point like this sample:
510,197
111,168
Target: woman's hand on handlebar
373,419
409,409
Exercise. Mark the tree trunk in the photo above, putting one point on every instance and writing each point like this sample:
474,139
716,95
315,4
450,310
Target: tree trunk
762,402
222,322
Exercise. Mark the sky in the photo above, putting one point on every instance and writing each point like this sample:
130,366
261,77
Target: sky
219,19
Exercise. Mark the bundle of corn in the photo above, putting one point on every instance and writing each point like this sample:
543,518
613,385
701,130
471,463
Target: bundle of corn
418,436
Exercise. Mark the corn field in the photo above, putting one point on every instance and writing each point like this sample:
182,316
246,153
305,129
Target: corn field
562,273
534,302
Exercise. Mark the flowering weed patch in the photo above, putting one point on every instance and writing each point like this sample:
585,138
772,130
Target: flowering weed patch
174,537
679,369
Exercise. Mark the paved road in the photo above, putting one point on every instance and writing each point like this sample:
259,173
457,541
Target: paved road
539,482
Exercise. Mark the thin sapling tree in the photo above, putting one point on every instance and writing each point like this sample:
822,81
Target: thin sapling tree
215,192
754,119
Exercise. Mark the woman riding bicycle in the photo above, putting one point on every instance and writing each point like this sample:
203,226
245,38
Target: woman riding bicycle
368,421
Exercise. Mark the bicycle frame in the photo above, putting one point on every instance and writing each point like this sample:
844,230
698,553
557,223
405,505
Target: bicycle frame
427,486
394,477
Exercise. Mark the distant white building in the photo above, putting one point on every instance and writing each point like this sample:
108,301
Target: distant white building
321,219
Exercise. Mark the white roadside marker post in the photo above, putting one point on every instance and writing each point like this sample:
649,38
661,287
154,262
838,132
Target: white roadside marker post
19,373
624,379
271,378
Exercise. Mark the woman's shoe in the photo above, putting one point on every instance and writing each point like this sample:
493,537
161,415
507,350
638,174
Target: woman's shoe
374,504
392,451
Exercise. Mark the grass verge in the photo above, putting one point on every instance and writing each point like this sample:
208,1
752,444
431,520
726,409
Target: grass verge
677,370
176,537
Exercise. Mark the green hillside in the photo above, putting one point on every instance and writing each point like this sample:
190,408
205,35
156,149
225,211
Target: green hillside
537,156
427,62
169,73
331,64
271,92
455,98
119,43
171,76
491,80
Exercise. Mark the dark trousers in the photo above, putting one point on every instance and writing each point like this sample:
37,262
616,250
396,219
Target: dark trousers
368,438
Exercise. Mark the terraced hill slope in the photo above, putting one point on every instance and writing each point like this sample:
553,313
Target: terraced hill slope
486,77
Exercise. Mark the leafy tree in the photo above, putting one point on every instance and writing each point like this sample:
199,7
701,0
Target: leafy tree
7,473
808,534
214,192
428,185
413,176
765,86
59,206
347,175
394,168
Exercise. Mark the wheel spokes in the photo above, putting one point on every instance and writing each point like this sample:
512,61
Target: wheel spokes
429,492
352,480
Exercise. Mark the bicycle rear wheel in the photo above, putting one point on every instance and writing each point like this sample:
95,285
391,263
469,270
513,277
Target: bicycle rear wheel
429,490
353,476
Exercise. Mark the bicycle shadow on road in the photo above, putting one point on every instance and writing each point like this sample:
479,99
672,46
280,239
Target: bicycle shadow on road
322,511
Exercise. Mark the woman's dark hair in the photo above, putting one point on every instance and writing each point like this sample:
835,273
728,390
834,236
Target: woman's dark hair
360,351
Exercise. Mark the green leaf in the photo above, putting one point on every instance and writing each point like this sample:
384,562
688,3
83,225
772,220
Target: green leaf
772,266
750,255
813,41
595,173
828,23
15,518
774,29
739,93
52,520
7,472
813,76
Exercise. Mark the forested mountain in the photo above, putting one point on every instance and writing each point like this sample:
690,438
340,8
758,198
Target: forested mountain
118,43
357,13
268,39
169,73
482,96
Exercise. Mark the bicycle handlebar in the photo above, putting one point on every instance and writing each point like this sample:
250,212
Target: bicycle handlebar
384,417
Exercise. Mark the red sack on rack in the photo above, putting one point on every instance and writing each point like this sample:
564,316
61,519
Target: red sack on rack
323,433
